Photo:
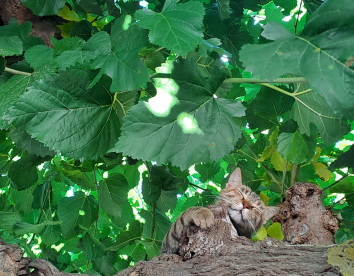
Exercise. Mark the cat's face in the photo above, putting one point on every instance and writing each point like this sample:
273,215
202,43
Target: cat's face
246,210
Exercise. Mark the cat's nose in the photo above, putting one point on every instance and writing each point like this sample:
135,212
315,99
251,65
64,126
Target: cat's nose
246,204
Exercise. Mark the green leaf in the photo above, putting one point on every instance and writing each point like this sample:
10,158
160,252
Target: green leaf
312,5
135,251
10,91
23,200
312,108
207,171
44,7
178,27
39,55
347,213
51,235
2,64
265,116
223,7
23,172
167,200
191,127
77,210
345,160
8,220
10,46
27,143
79,123
22,227
78,175
296,148
274,231
123,65
162,224
328,68
151,247
112,194
79,51
261,233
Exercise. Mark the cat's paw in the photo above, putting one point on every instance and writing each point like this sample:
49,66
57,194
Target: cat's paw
203,218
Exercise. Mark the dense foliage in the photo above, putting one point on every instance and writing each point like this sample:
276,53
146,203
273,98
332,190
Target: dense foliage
142,109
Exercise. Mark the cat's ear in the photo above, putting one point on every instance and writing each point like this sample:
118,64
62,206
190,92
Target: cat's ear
235,179
269,212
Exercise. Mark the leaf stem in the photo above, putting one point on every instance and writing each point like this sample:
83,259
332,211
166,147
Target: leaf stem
16,72
294,95
256,80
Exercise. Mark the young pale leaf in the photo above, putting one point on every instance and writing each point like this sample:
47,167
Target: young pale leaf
296,148
274,231
112,194
322,55
77,210
183,124
123,65
63,115
178,27
44,7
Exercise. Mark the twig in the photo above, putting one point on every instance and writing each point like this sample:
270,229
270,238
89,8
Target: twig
336,182
257,80
16,72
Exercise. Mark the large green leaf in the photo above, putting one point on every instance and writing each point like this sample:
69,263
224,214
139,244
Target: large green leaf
77,210
44,7
63,115
184,123
178,27
313,108
112,194
296,148
322,55
264,116
123,65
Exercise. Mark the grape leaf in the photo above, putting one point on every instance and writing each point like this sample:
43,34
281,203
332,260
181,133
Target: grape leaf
323,56
77,210
63,115
190,127
44,7
178,27
123,65
112,194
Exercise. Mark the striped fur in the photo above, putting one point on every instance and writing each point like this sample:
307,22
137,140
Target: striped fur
246,210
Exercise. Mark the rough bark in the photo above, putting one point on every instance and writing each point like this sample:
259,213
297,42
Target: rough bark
12,263
304,219
243,257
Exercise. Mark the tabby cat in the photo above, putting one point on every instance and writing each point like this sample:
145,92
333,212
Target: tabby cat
246,210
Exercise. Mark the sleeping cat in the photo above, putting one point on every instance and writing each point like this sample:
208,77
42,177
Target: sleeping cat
246,211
